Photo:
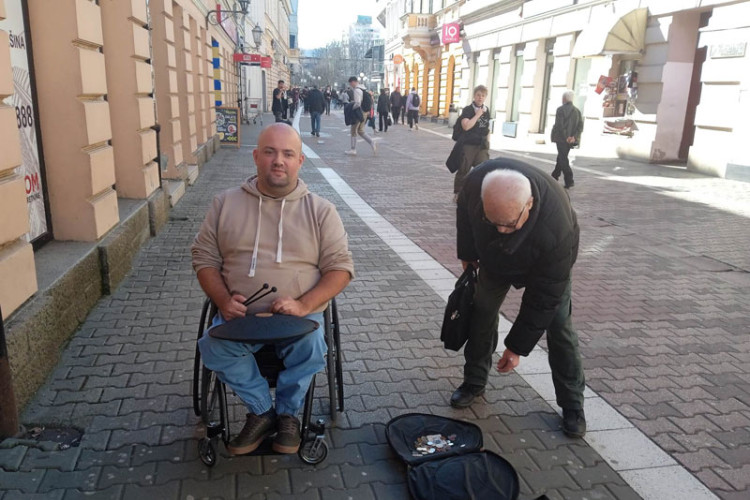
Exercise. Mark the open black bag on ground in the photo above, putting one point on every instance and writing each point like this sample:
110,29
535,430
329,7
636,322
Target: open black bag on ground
457,317
458,471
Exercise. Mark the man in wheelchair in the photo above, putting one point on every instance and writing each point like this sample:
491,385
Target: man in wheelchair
271,229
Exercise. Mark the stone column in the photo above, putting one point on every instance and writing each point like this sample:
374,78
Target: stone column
17,270
129,94
198,49
676,75
74,117
165,75
185,97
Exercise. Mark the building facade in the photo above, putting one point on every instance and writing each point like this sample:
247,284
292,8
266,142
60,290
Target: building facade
656,81
107,112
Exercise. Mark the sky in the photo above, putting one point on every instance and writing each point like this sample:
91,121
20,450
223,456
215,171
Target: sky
322,21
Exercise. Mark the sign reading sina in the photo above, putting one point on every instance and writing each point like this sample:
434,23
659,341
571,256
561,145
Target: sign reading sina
23,102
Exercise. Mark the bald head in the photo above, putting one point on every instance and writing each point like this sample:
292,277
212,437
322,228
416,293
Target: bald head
278,159
506,194
289,133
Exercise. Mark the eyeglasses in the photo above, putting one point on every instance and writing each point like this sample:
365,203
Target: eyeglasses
512,225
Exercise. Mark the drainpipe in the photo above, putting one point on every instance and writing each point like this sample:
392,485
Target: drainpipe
8,409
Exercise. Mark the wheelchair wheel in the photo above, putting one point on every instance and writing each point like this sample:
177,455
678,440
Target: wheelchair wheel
313,452
207,452
213,398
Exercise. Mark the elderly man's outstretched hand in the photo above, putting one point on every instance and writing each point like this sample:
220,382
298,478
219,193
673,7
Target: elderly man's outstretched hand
508,361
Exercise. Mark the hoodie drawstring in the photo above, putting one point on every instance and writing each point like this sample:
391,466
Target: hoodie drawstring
279,244
254,260
281,232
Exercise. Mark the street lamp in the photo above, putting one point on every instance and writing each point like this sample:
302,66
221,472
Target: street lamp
257,35
213,16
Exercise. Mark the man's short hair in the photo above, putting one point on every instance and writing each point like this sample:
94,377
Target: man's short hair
353,79
480,88
568,96
280,81
518,186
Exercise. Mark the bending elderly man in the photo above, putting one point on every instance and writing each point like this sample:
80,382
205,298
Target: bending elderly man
516,225
271,229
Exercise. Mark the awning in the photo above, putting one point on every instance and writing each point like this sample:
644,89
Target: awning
613,34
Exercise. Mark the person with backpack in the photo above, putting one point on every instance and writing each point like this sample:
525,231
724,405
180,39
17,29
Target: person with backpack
412,109
361,104
475,122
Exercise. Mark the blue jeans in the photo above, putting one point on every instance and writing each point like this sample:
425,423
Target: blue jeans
315,122
235,365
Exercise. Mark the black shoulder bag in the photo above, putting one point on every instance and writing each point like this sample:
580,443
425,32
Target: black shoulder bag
457,317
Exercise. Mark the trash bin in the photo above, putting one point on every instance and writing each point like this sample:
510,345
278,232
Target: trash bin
452,115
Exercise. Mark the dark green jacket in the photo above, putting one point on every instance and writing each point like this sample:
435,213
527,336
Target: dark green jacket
568,123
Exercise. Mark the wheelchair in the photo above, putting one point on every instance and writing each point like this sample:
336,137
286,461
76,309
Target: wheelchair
210,394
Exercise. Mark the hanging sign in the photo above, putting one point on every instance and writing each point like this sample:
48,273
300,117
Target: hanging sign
398,59
451,33
265,62
23,100
228,125
246,58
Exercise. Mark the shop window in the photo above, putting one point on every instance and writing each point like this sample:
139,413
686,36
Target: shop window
517,75
621,91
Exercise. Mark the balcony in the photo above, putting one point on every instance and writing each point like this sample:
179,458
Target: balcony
416,30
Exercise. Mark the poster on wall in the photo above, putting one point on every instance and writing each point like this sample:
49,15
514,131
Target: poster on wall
228,125
23,102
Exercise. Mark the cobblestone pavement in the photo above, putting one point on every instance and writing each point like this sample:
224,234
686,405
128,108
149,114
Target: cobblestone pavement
659,305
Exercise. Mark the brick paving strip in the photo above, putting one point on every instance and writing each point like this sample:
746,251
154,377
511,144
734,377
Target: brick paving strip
125,376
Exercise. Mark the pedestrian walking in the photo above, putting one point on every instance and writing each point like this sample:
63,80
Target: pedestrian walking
279,105
316,104
328,95
361,105
412,109
343,98
475,122
566,134
516,225
384,110
397,102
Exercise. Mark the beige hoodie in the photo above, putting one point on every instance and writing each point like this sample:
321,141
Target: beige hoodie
287,242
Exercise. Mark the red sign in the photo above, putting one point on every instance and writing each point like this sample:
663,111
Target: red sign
398,59
451,33
247,58
265,62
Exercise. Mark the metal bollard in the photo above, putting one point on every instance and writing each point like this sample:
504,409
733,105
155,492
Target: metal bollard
8,409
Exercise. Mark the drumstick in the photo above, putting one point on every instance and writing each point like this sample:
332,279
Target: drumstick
249,300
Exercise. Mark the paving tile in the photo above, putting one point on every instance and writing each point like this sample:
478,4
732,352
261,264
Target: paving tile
628,449
668,483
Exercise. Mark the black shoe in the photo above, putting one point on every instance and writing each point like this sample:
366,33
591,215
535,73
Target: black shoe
287,438
556,177
574,423
465,394
256,428
569,186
